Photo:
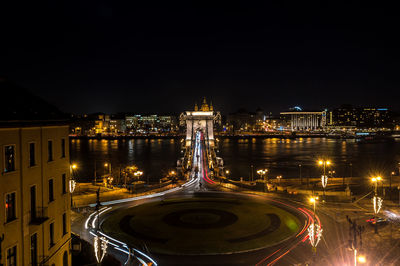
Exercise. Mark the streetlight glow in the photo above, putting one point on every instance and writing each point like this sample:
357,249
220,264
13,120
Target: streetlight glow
361,259
74,166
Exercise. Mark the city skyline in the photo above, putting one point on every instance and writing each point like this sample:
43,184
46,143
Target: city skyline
162,58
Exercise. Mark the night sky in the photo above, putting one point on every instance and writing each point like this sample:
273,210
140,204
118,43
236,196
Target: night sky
90,56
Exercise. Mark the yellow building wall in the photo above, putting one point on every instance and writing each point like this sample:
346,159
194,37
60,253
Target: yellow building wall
20,230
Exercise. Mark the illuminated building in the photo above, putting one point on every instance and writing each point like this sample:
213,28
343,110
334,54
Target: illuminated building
35,209
361,117
305,120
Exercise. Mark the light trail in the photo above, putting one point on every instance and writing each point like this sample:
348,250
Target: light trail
307,223
97,216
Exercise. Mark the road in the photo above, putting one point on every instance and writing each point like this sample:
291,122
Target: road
293,251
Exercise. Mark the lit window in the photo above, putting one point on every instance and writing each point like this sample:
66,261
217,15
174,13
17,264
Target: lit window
10,207
9,158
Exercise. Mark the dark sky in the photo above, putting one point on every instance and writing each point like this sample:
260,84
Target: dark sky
88,56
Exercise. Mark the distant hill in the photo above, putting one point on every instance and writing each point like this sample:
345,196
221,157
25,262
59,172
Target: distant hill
19,104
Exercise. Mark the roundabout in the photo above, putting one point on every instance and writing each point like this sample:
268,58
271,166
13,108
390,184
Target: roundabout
204,224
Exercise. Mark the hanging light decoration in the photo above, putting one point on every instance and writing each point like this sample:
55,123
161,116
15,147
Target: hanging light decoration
100,248
314,234
72,185
377,201
324,180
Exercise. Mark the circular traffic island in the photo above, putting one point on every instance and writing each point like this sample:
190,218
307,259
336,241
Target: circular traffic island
202,225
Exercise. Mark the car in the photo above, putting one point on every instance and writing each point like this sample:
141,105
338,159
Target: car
379,220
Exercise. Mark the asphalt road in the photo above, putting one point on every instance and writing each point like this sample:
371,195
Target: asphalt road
295,251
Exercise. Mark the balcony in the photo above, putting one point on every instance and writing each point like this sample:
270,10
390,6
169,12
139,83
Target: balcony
38,216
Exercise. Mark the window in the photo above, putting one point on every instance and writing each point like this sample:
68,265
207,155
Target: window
62,148
51,234
34,249
50,150
32,161
64,224
10,207
64,183
12,256
9,157
51,190
33,203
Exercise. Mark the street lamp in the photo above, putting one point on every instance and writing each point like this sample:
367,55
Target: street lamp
262,173
361,259
375,180
324,177
72,182
314,230
279,179
390,185
376,201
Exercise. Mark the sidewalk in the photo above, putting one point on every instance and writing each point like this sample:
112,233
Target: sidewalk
85,193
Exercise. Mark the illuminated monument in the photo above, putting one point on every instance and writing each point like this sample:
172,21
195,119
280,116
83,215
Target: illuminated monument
203,120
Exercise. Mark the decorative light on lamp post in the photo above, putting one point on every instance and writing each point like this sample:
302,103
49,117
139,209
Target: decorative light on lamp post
72,182
72,185
324,181
314,230
324,177
100,248
376,201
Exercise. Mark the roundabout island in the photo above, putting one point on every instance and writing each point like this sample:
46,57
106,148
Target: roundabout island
205,224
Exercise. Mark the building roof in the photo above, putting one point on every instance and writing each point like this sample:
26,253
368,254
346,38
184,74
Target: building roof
20,106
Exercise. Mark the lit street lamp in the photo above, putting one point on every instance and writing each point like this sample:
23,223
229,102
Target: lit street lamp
314,230
324,177
376,201
72,182
262,173
279,177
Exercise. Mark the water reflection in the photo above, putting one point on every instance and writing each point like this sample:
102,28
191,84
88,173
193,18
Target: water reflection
280,156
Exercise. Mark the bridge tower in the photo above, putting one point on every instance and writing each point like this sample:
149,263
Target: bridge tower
201,119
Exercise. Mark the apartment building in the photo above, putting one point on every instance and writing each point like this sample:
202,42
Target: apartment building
34,184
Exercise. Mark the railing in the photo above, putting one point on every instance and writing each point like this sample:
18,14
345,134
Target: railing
39,215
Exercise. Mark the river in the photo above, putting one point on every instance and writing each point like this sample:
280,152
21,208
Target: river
155,157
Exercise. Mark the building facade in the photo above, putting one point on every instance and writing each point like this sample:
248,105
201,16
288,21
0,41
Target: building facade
305,121
361,117
34,184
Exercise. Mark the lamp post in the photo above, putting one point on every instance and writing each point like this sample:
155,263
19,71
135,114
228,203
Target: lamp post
301,178
376,201
324,177
72,182
279,177
390,185
227,172
262,173
314,230
252,173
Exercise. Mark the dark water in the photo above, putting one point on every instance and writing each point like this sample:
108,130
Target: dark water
154,157
281,157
